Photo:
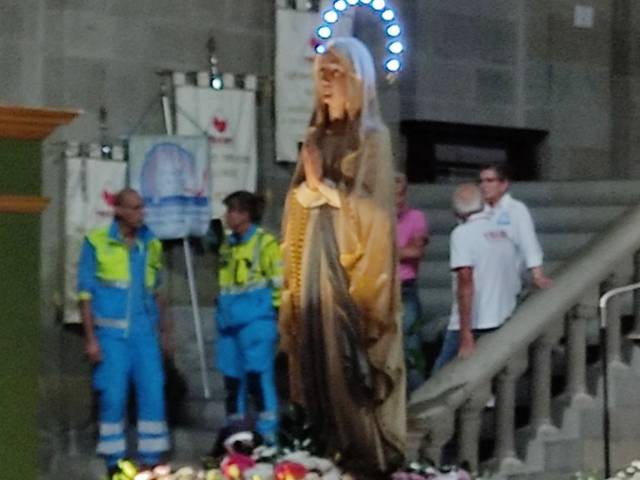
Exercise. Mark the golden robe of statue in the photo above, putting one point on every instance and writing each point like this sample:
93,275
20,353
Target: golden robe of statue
340,320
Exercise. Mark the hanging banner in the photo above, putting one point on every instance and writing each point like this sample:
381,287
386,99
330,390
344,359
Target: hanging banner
295,53
171,173
91,188
229,119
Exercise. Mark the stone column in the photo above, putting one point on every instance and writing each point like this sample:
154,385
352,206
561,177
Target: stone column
440,427
541,383
469,422
576,352
505,414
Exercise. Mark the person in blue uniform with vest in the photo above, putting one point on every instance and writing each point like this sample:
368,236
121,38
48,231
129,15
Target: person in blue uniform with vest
250,280
118,290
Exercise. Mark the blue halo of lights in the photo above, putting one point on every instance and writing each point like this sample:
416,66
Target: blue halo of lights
392,65
388,15
340,5
392,29
330,16
396,47
324,32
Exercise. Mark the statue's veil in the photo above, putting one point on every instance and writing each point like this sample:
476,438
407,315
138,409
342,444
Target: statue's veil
373,166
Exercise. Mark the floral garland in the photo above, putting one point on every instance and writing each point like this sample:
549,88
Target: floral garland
268,463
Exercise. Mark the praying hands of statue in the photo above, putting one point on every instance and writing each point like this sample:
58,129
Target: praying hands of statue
312,163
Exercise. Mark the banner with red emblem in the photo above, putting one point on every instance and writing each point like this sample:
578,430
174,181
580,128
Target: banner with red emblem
91,187
295,53
228,117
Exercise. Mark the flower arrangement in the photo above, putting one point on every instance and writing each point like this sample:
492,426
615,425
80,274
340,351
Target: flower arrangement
630,472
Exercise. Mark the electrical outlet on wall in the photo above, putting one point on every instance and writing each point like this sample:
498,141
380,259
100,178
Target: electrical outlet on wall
583,16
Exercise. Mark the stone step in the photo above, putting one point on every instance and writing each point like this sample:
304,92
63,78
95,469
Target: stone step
600,192
556,246
436,274
570,218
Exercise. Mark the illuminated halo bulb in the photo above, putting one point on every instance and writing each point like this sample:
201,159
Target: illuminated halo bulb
352,2
388,15
330,16
320,49
392,65
324,32
396,47
340,5
378,4
365,2
216,82
393,30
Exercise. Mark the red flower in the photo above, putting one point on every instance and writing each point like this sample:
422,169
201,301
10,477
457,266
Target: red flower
289,471
234,464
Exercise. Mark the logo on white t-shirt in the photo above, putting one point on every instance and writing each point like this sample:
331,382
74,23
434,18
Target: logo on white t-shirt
503,219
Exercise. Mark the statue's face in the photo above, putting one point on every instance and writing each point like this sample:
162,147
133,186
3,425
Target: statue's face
332,82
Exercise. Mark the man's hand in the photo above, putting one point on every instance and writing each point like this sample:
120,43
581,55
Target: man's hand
467,344
540,280
92,349
167,343
414,249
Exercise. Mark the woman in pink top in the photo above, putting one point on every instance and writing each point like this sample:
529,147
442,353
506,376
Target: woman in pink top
412,236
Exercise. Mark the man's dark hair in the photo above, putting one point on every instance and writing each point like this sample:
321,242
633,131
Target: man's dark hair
246,202
503,172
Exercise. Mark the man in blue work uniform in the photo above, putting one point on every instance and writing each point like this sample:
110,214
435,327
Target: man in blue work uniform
118,281
250,279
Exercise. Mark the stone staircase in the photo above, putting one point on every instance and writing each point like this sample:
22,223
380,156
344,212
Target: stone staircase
574,440
547,381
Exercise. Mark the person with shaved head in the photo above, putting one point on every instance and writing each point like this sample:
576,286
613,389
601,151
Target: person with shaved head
485,275
118,291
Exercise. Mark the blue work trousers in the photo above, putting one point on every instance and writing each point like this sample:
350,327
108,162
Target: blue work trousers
135,360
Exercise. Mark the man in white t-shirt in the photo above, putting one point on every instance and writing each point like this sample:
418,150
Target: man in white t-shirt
485,276
513,217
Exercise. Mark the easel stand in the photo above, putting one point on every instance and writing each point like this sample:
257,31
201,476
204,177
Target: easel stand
188,258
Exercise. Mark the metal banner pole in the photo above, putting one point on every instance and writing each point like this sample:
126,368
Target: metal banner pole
188,258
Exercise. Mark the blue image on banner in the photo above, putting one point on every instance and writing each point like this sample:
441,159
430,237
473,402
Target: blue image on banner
176,201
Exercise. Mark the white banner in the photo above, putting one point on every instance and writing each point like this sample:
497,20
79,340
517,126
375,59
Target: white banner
295,53
171,173
91,187
229,119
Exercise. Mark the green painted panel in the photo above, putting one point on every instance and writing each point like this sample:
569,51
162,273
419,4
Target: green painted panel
19,344
20,167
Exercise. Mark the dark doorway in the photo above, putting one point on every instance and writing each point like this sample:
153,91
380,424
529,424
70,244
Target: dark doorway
451,152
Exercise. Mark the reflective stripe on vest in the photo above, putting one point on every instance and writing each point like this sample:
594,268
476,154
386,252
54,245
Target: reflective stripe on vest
111,323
